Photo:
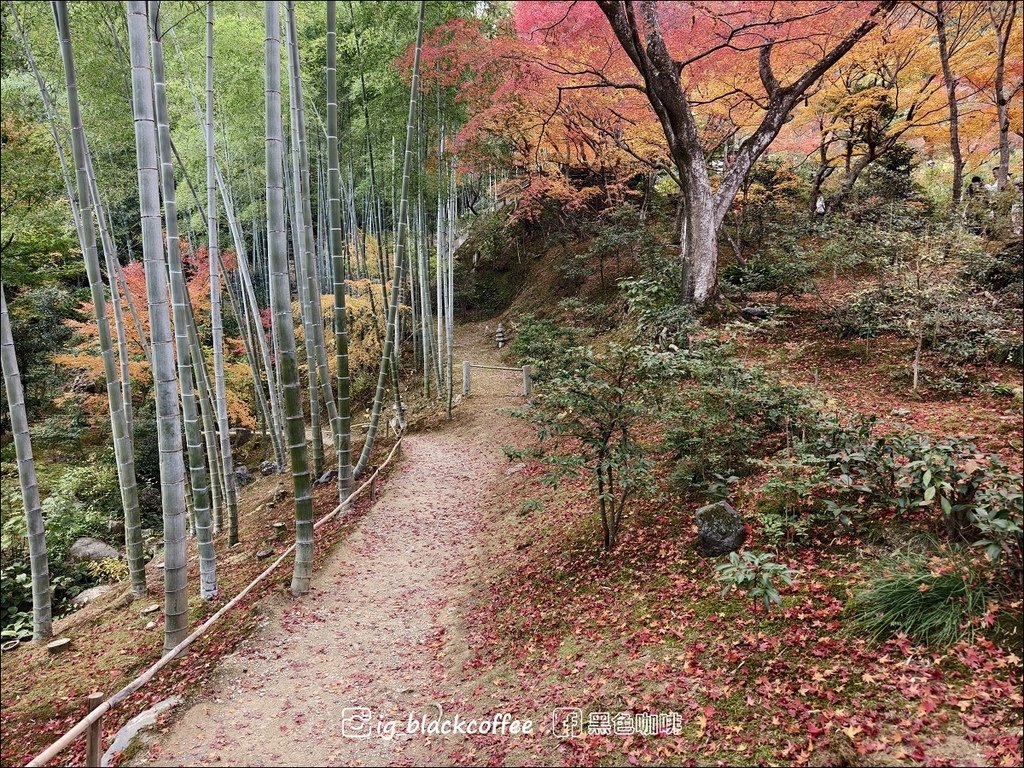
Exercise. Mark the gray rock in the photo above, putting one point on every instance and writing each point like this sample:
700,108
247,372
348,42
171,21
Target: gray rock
242,476
268,468
116,526
263,554
92,549
720,529
143,720
87,596
326,477
514,469
754,313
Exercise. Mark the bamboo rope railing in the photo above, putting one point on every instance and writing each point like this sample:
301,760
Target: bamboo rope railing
90,721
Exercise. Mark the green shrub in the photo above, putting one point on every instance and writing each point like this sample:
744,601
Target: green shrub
958,325
754,574
860,461
1001,271
588,416
790,501
529,506
655,307
998,516
544,345
843,246
80,504
108,570
595,316
16,601
621,237
888,196
67,580
865,315
946,474
729,414
145,443
932,600
975,497
784,268
573,269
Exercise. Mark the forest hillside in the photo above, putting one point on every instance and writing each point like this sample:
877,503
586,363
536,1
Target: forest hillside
527,383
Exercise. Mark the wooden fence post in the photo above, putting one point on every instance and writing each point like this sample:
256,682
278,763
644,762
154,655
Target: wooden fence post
94,736
465,378
527,382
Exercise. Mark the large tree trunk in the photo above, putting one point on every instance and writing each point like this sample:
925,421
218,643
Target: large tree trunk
703,211
954,109
698,237
172,465
39,567
1002,15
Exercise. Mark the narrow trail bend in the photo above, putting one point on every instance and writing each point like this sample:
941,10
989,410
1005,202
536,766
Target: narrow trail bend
387,599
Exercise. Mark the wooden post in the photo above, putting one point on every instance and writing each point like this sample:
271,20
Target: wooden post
94,736
527,382
465,378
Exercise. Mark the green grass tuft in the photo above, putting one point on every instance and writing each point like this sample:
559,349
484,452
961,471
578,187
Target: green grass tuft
931,599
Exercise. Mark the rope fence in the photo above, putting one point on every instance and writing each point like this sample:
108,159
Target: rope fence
90,724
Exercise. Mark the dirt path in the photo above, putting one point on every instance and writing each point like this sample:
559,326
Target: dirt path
380,611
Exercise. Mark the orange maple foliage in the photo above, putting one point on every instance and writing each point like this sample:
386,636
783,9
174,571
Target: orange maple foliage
84,355
553,92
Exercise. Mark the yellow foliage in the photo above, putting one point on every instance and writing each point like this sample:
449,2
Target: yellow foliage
364,311
240,394
108,570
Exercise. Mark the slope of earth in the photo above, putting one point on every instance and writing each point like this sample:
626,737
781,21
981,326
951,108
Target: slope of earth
557,624
873,377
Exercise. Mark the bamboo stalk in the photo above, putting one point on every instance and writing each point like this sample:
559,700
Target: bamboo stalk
39,564
389,336
87,239
213,247
338,262
172,466
282,318
186,359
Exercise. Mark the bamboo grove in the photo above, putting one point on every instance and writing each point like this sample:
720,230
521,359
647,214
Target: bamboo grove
285,265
